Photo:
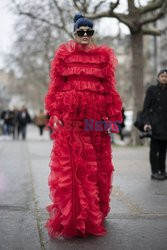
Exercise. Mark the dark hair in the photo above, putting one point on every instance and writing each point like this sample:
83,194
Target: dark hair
161,72
80,20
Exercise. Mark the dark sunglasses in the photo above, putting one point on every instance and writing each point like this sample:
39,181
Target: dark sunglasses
81,32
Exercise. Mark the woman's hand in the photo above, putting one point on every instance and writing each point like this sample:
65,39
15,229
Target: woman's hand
58,122
108,131
147,127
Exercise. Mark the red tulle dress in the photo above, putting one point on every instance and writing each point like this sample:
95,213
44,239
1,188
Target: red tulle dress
82,88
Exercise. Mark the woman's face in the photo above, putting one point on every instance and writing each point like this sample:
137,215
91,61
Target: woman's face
163,78
83,35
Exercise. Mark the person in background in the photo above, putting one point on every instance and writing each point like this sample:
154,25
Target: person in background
15,123
40,121
23,119
122,125
48,128
155,119
7,117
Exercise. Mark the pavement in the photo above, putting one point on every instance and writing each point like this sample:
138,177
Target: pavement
138,216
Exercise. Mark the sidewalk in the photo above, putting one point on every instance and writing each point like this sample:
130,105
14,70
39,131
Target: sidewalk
138,216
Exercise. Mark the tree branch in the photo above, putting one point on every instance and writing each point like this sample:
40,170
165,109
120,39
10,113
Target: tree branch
153,32
100,15
39,19
98,6
151,6
138,1
32,16
114,5
75,2
85,6
123,18
119,16
131,5
153,18
82,6
60,10
55,25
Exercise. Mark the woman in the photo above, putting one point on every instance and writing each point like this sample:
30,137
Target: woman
155,119
40,120
81,93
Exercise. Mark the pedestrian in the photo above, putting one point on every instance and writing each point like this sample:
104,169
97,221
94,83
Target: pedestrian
47,127
155,119
122,125
7,117
81,96
23,119
40,120
15,123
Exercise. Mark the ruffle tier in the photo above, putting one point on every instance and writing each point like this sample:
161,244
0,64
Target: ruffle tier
81,171
80,70
84,104
71,61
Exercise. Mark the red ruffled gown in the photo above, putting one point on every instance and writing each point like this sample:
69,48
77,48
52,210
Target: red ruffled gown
82,87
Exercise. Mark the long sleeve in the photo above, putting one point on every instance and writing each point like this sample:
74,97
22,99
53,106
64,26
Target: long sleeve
147,106
51,98
113,100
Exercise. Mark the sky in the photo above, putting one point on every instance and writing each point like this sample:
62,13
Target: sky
7,20
6,29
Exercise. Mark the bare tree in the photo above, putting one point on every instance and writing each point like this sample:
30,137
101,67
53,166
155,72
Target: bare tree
138,18
33,49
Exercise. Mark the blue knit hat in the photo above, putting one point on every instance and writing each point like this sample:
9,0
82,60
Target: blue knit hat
80,20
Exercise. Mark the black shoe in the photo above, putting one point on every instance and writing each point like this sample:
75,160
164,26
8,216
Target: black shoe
164,174
157,176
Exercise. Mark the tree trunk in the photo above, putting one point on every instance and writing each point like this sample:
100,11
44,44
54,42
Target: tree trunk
137,80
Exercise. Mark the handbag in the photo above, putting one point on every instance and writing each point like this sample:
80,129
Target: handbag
139,122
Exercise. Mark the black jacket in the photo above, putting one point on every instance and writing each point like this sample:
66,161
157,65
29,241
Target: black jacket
8,117
23,118
155,110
